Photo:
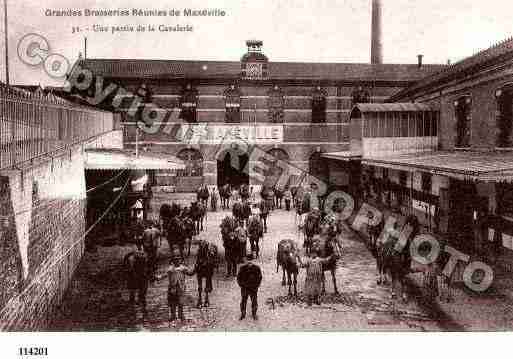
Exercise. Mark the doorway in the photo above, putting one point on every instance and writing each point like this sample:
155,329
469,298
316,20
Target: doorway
233,172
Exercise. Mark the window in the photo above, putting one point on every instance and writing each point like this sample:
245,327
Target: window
463,107
428,119
232,104
426,182
419,124
193,161
319,105
505,199
404,124
504,116
188,104
275,104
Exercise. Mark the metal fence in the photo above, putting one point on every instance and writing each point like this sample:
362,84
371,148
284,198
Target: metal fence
34,124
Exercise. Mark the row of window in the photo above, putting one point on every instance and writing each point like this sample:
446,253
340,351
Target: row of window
504,118
401,124
275,103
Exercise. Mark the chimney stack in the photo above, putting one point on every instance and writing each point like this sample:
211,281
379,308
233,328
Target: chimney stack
419,57
376,41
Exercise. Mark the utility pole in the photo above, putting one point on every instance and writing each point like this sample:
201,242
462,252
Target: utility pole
6,45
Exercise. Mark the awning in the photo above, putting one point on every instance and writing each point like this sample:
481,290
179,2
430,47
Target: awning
342,156
393,107
479,166
112,159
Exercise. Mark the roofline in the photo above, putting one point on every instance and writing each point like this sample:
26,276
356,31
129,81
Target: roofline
457,70
271,62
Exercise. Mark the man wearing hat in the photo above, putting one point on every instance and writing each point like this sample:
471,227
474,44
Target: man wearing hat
176,289
249,279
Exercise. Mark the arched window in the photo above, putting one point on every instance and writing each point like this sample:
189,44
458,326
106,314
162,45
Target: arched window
193,161
276,103
504,98
463,110
232,104
188,104
319,105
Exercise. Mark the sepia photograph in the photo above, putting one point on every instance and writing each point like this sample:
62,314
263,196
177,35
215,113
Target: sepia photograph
255,166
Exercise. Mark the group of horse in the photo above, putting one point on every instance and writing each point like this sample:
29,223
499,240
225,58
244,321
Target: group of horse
180,225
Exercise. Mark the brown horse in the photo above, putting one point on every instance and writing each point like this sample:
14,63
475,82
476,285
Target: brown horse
393,258
206,262
286,257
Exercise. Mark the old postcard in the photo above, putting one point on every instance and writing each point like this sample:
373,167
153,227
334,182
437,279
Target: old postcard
213,166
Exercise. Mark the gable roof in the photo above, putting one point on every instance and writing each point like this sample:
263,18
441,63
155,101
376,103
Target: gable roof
173,69
501,51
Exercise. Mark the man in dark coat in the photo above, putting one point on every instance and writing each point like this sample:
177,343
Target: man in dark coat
249,279
264,213
137,276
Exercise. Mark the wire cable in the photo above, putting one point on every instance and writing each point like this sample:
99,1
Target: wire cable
60,258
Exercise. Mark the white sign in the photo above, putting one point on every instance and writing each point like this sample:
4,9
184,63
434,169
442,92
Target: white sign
213,134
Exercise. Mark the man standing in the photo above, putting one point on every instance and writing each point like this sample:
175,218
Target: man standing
264,213
213,200
151,243
137,275
176,288
249,279
287,195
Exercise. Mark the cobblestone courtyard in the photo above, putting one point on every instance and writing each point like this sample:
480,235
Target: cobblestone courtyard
97,299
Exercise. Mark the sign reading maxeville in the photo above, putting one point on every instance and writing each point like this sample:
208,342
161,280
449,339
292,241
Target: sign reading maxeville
205,133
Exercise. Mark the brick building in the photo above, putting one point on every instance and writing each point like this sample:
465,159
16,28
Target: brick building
459,182
298,110
304,107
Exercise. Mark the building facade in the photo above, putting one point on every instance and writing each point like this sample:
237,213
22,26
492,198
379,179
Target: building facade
296,111
461,185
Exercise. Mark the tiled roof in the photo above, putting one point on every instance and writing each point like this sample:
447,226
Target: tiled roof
464,67
121,68
342,156
392,107
126,159
491,166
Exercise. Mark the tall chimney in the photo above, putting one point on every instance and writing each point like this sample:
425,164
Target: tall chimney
419,57
376,41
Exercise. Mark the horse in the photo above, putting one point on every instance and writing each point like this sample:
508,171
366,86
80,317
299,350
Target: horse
255,232
225,192
237,211
278,196
246,211
202,195
230,244
244,192
311,227
394,258
206,262
189,229
175,234
286,257
198,213
327,247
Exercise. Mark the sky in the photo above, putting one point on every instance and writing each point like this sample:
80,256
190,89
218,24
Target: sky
291,30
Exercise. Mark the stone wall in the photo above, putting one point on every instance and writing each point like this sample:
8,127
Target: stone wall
42,230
